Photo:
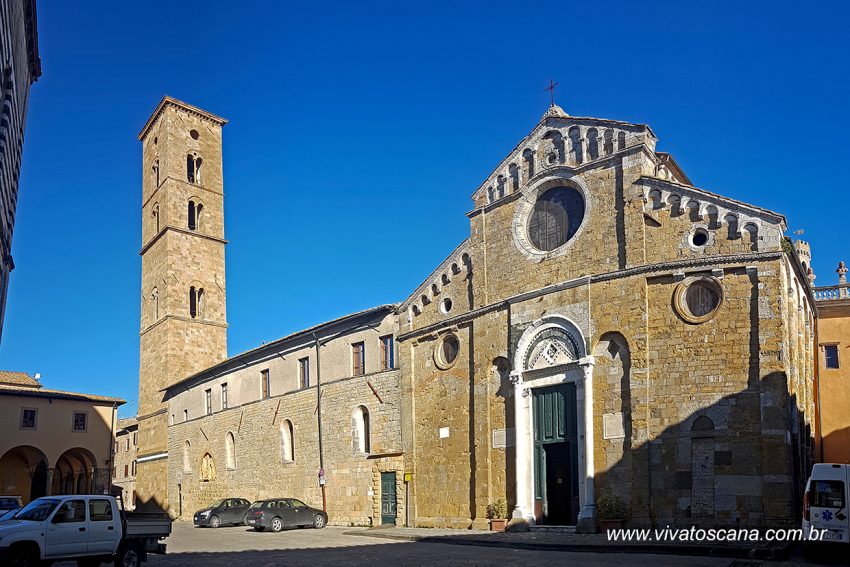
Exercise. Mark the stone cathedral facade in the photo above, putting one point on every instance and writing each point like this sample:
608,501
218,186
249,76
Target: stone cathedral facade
607,327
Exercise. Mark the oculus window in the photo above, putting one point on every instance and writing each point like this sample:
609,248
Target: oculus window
697,299
555,218
446,351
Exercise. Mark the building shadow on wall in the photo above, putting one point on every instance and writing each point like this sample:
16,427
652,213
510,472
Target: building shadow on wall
729,464
836,446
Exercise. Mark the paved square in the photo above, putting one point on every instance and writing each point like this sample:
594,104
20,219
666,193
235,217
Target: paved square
239,546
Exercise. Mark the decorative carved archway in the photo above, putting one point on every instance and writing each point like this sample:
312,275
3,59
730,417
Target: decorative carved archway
552,351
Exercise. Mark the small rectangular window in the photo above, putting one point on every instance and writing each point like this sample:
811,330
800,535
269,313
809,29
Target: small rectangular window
133,468
80,421
830,353
127,444
135,438
208,401
303,372
28,418
387,356
126,471
224,396
358,359
185,415
116,447
172,419
264,377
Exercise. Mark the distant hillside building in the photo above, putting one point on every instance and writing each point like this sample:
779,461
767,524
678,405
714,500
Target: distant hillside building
20,67
607,327
52,441
833,303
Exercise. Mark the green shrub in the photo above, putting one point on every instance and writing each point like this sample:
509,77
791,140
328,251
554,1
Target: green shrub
610,507
497,510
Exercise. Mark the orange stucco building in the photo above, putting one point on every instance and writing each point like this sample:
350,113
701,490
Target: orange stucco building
833,304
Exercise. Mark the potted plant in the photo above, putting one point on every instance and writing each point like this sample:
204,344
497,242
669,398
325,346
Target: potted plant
611,512
497,513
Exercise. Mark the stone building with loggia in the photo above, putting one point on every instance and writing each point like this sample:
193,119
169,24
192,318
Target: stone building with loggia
607,327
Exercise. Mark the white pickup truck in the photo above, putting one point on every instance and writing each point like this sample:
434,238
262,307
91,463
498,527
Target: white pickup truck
90,529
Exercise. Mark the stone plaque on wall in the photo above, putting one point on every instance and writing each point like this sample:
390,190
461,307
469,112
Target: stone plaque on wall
502,438
612,426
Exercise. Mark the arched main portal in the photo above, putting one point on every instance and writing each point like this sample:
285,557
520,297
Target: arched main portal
24,472
553,399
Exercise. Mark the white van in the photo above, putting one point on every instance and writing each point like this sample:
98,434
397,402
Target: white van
825,504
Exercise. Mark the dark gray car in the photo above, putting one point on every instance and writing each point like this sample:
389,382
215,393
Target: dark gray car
9,503
230,511
278,513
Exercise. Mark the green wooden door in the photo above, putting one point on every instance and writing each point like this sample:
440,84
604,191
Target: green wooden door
388,498
555,455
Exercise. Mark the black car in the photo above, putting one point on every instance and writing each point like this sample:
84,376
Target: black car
279,513
221,512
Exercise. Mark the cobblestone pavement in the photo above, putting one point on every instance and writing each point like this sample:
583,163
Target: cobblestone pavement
331,546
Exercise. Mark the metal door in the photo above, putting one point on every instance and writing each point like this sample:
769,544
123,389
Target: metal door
388,498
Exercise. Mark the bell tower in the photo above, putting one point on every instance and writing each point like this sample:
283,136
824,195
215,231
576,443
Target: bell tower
183,315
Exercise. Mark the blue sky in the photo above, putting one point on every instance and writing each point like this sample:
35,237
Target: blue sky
359,130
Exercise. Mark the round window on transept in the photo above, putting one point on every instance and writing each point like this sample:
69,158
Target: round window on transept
446,305
699,238
555,218
194,134
698,299
446,351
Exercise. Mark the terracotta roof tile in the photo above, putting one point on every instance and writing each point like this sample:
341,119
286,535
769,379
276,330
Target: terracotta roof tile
18,379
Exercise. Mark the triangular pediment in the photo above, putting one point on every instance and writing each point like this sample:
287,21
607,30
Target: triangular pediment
560,140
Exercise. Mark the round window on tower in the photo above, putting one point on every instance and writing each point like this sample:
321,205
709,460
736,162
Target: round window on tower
194,134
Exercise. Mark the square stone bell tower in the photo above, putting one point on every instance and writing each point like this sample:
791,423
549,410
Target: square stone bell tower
183,315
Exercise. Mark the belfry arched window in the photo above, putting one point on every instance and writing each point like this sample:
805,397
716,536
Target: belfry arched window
193,168
195,209
197,302
155,215
154,305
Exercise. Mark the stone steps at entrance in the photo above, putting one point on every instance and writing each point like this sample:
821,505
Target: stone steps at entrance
553,529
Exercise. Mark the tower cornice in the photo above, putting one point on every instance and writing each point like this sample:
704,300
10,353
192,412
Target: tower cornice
185,106
181,231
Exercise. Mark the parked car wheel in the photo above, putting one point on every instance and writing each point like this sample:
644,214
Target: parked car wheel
215,522
277,524
23,557
259,528
319,522
128,556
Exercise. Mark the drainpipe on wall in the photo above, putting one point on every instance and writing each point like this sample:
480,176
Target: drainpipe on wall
319,419
111,449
